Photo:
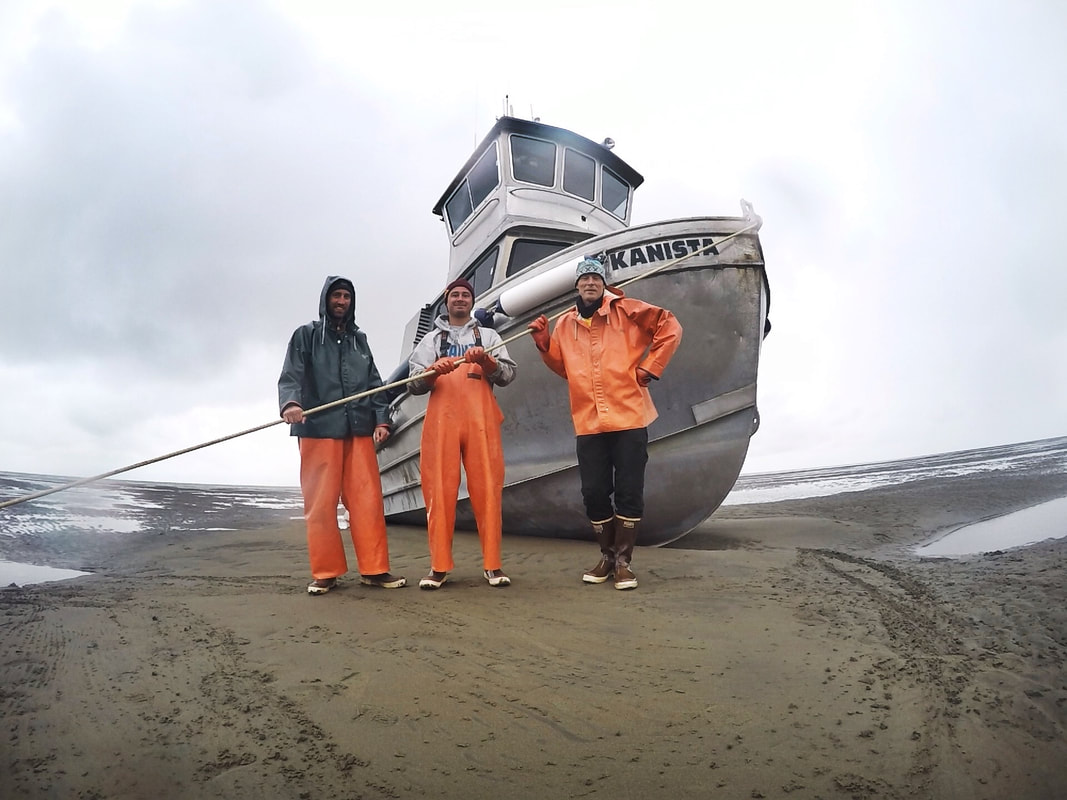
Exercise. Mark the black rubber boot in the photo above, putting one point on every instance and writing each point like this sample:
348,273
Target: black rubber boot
605,537
625,539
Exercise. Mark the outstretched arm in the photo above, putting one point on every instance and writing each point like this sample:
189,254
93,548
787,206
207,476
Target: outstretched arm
548,345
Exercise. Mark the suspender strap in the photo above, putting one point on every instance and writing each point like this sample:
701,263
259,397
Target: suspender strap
443,352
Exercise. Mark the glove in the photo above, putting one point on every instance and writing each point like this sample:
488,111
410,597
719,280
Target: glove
539,333
477,355
443,366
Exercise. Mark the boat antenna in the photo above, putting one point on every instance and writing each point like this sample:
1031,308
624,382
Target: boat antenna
395,384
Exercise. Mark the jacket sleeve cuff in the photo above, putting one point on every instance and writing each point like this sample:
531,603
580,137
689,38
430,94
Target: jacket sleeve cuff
652,368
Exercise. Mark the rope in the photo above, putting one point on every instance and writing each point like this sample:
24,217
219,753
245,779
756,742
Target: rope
672,263
111,473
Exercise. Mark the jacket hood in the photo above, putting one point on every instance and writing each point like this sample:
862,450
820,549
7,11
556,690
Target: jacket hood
442,324
611,294
327,287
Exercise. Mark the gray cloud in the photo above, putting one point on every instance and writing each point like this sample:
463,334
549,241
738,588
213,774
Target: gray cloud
164,195
171,199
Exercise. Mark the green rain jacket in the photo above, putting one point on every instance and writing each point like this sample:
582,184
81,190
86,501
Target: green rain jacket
321,366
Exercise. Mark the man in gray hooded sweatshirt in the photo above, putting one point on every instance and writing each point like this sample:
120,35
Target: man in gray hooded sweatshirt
327,360
462,426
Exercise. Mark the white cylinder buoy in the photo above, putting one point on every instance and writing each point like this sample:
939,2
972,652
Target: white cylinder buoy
538,290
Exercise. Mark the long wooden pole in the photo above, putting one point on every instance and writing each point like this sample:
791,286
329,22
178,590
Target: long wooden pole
184,450
395,384
672,263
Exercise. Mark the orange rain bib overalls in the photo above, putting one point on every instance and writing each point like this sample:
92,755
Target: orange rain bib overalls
462,424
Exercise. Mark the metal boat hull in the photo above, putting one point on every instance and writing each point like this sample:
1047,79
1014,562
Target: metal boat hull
706,399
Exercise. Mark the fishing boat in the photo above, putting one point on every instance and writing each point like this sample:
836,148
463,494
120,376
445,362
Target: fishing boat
530,202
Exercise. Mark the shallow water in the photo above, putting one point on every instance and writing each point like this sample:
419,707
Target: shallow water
1047,455
12,572
126,507
1029,526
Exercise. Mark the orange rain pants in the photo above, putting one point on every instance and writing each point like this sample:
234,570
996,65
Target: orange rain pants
345,470
462,424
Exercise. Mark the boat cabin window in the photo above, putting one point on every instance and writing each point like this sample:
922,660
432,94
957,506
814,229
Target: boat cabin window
478,185
481,276
458,207
616,193
579,174
533,160
525,252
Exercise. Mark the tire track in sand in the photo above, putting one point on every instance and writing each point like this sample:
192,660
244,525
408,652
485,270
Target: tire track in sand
215,726
924,635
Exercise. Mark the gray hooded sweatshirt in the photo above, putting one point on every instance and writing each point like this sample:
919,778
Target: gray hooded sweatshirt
460,340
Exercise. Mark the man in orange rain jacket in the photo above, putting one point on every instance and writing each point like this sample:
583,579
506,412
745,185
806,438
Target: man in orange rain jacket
462,424
327,360
609,348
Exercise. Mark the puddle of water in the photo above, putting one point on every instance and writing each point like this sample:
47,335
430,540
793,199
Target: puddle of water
1031,525
12,572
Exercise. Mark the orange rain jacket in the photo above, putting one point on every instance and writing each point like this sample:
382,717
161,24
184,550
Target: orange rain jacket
599,358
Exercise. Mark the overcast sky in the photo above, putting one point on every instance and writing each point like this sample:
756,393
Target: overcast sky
177,178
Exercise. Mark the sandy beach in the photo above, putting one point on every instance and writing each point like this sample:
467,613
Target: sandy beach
785,650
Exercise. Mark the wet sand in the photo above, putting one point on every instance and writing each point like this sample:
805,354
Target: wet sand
784,650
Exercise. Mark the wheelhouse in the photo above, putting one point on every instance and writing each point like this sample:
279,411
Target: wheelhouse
528,191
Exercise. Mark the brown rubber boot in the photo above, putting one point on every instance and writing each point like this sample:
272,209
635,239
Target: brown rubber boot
605,537
625,539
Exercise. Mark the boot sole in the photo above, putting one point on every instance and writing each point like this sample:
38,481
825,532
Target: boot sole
594,579
398,583
626,585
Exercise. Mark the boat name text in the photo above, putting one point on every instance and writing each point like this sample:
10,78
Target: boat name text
660,251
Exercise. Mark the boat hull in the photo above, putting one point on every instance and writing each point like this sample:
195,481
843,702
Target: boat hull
706,399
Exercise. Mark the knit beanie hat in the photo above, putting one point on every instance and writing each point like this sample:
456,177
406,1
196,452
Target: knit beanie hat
590,266
466,284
